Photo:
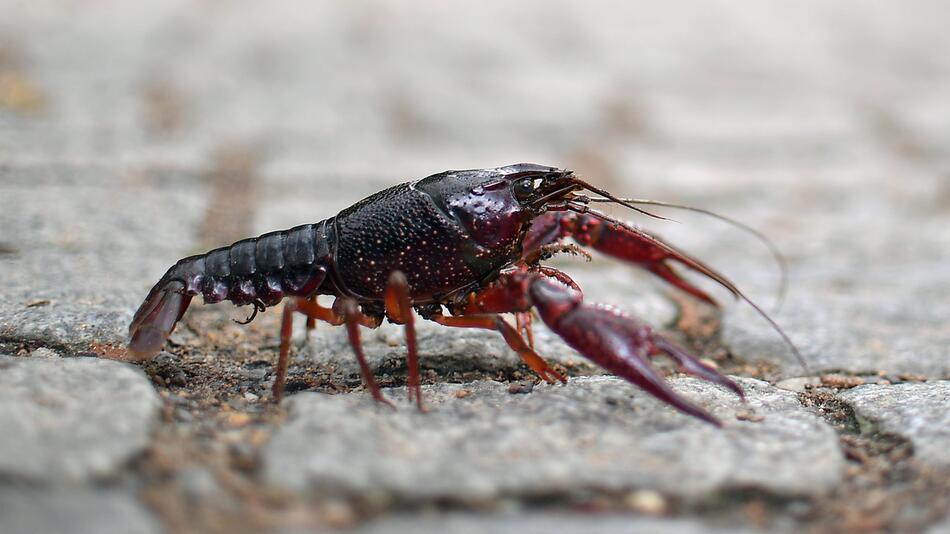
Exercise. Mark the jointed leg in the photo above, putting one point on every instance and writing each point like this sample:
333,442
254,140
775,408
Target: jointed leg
313,311
523,325
311,322
399,308
514,340
350,315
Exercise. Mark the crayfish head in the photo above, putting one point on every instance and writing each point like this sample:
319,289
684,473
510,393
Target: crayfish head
496,206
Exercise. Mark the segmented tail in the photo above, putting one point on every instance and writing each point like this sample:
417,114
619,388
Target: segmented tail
259,271
156,318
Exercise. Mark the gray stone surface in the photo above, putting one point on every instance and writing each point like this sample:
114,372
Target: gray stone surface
825,125
539,523
86,246
894,321
917,412
596,433
28,511
943,527
72,420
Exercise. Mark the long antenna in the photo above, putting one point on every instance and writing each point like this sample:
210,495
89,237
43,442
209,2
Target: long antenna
621,201
773,249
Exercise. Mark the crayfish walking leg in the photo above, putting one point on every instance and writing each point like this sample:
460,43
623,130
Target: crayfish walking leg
512,337
345,311
399,308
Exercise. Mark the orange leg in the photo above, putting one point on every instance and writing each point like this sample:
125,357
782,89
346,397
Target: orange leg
399,309
523,324
350,316
514,340
311,322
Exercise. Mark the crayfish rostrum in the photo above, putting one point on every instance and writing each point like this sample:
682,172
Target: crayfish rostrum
460,248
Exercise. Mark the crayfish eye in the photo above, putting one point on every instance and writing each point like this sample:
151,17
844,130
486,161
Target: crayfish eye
523,188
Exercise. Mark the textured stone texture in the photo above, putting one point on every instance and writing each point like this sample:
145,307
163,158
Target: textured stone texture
537,523
84,248
595,433
825,125
72,420
917,412
27,511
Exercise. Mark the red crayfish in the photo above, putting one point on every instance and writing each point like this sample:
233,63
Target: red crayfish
459,248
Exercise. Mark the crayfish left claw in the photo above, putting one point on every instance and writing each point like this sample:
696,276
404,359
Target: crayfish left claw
602,334
620,344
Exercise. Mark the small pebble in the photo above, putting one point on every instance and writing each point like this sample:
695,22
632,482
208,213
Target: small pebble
521,388
798,384
337,514
252,374
749,416
44,352
646,502
236,419
166,358
842,381
243,456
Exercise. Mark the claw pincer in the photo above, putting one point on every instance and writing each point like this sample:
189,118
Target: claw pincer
603,334
460,248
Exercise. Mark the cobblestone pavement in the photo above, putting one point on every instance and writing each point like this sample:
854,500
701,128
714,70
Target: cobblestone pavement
135,133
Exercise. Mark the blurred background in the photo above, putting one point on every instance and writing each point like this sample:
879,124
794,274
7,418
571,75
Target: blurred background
135,133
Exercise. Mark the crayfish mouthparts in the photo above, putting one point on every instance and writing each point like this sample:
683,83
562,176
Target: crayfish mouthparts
469,243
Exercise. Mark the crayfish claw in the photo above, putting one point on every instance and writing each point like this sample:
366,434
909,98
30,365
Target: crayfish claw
668,273
692,365
620,344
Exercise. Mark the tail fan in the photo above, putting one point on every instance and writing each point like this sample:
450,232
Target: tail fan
155,319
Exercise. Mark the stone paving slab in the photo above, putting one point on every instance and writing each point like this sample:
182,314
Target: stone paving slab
539,523
28,511
480,442
72,420
822,124
83,249
917,412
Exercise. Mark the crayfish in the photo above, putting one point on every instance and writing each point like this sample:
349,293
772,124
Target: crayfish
460,248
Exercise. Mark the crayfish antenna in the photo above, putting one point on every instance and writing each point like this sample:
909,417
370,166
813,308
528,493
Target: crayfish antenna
618,200
773,249
704,269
